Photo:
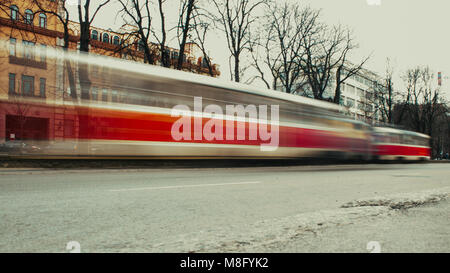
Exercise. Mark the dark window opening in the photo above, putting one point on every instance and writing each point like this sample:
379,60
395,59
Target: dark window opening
28,17
94,35
116,40
105,95
94,93
12,83
141,45
14,12
27,85
42,20
42,87
105,38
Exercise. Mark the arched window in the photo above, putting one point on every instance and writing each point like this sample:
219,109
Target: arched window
43,20
28,17
116,40
94,35
141,45
14,12
105,38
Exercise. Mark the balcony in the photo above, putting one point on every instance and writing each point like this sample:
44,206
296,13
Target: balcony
27,62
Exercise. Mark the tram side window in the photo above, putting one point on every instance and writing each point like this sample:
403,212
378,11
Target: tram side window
378,138
408,140
395,138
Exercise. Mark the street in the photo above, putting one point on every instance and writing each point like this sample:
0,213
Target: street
261,209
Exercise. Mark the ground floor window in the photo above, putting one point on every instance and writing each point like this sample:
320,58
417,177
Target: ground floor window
21,127
27,85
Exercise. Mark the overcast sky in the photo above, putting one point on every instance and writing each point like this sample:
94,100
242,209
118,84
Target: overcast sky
409,32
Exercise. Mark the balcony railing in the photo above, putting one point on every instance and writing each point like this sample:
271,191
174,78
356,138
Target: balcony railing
27,62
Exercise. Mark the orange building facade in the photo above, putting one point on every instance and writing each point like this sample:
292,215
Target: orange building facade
31,83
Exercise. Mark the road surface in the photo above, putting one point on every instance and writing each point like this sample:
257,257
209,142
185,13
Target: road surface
261,209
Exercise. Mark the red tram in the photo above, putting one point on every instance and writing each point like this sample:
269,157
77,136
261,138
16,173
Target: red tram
395,144
128,109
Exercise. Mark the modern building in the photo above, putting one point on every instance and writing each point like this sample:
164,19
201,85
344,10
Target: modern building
357,95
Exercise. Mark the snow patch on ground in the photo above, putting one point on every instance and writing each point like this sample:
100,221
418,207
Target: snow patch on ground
404,200
275,231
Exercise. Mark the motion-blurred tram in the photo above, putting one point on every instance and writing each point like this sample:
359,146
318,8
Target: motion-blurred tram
127,109
395,144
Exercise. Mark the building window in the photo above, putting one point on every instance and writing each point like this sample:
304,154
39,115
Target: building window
43,53
42,20
94,35
361,106
140,45
14,12
116,40
204,63
27,85
350,103
12,83
42,87
12,46
105,95
28,50
94,93
360,92
105,38
166,56
114,96
28,17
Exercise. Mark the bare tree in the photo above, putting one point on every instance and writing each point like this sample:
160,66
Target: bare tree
165,58
16,26
186,15
235,18
350,70
423,104
63,16
202,25
138,14
384,97
259,53
326,55
86,20
281,40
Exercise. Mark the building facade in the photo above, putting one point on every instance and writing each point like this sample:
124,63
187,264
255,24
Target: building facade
31,83
358,96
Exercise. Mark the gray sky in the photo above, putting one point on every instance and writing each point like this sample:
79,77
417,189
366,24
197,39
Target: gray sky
409,32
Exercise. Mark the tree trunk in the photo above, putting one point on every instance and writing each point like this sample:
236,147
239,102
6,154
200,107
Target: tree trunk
236,68
185,33
337,92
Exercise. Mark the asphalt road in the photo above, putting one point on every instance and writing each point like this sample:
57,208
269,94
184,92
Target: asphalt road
260,209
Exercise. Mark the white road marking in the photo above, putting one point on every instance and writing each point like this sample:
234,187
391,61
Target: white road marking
185,186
